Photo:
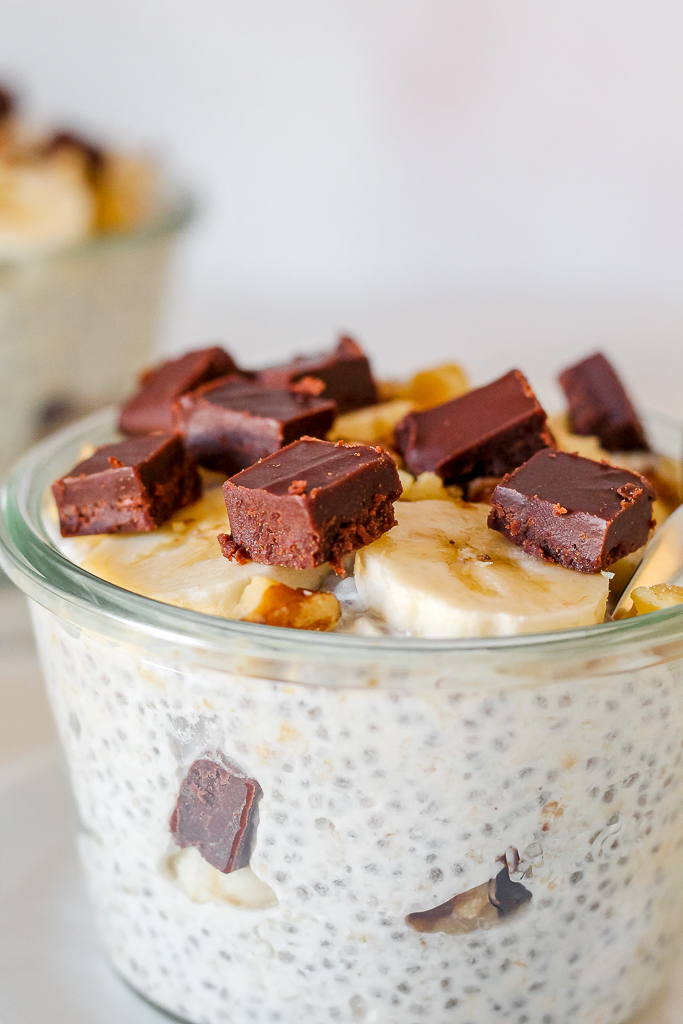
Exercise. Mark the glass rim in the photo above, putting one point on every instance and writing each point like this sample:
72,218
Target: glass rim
35,564
174,209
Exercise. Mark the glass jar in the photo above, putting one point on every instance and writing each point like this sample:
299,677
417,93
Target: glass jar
454,831
77,323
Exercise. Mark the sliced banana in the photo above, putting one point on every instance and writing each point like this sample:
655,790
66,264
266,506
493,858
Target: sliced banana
442,573
181,562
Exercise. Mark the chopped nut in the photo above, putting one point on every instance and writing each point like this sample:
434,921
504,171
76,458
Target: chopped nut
428,486
274,604
481,489
467,912
371,425
652,599
434,386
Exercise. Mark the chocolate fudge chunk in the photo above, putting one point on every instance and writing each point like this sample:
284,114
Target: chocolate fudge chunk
311,503
599,405
345,372
484,433
573,511
129,486
230,424
150,410
217,811
7,103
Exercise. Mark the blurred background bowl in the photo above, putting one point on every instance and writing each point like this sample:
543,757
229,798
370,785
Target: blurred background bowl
76,324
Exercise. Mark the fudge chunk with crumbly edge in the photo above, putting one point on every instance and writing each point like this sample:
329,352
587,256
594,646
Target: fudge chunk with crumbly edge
599,405
484,433
312,502
150,410
231,423
582,514
345,372
130,486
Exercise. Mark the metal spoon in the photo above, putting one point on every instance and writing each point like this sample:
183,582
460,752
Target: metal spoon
662,562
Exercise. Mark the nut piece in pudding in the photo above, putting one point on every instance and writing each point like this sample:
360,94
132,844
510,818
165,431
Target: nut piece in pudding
345,372
599,405
274,604
150,409
131,486
310,503
573,511
482,907
653,599
229,424
486,432
442,573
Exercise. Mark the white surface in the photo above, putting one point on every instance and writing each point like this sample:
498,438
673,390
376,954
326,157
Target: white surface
496,182
52,968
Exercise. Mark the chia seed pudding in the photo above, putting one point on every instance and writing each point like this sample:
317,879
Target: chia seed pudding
457,830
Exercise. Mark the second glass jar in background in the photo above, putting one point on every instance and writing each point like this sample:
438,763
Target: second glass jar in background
77,323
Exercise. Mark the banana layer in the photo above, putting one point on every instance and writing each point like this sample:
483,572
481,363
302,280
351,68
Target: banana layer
443,573
181,562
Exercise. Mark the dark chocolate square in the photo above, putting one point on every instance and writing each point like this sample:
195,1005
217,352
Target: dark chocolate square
345,372
484,433
599,405
129,486
311,503
230,424
573,511
217,811
150,410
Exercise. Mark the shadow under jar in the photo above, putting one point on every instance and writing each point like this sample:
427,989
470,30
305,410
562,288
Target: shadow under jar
530,788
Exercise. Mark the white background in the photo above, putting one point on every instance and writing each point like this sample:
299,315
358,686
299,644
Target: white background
496,182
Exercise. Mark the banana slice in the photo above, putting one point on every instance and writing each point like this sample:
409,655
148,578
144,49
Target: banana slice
442,573
181,563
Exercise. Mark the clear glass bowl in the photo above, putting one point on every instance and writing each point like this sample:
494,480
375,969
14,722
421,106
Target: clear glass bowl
76,323
536,779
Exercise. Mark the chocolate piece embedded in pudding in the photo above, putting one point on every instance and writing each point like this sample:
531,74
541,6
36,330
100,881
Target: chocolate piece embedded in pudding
150,410
129,486
216,811
345,372
599,405
505,895
311,503
484,433
230,424
573,511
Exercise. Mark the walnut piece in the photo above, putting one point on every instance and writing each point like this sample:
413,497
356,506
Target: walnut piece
274,604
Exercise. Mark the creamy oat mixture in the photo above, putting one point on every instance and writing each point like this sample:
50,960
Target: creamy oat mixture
378,804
